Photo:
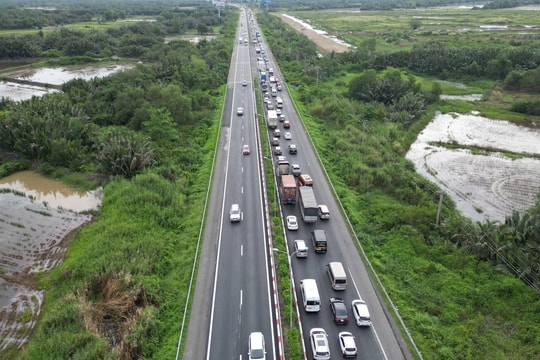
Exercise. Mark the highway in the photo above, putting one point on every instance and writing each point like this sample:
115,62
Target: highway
233,294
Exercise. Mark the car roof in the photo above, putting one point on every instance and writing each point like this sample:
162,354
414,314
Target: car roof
361,306
348,339
299,243
256,339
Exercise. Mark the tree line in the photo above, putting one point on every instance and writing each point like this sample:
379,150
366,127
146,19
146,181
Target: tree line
124,122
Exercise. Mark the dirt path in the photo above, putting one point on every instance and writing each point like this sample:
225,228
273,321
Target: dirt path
323,42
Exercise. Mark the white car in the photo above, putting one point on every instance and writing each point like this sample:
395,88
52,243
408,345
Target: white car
295,169
292,223
300,248
235,214
256,349
287,135
240,111
361,313
324,213
347,344
319,344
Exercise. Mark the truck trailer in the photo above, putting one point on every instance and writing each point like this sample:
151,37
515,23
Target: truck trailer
308,204
288,189
272,119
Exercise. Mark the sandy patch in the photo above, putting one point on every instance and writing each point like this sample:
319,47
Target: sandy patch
324,42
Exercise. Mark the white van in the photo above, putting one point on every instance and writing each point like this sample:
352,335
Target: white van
337,275
310,295
279,102
273,92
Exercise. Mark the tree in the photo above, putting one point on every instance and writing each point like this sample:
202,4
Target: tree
123,152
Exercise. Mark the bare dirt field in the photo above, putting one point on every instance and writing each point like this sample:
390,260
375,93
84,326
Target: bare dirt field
323,42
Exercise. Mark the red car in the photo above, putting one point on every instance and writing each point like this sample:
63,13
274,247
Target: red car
245,150
287,124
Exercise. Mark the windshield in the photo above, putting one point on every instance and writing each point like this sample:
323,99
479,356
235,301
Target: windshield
257,354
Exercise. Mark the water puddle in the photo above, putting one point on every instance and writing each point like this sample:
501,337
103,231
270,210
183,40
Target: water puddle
52,193
470,97
52,76
486,186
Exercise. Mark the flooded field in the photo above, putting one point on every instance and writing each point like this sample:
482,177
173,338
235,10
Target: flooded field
51,76
485,186
36,219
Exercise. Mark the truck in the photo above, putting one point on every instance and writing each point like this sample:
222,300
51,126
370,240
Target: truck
283,167
308,204
288,189
263,76
261,65
272,119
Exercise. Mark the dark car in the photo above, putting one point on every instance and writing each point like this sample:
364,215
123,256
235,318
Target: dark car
339,311
292,149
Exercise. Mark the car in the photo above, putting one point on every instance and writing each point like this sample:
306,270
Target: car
287,135
240,111
277,151
292,223
300,248
256,348
278,111
281,118
245,150
269,105
277,133
244,83
292,149
235,214
339,311
295,169
287,124
347,344
274,141
305,180
361,312
319,344
324,213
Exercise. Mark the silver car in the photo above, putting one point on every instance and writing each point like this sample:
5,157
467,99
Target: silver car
319,344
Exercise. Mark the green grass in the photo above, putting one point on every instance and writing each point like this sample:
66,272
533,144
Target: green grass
460,27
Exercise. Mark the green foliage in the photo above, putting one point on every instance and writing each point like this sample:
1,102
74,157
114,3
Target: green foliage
526,107
10,167
123,152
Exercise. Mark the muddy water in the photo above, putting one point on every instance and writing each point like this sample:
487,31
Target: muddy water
33,228
487,186
50,192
